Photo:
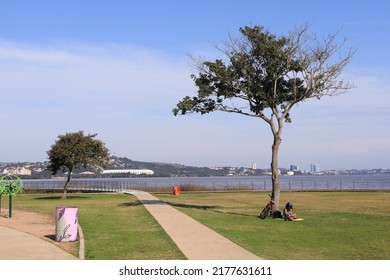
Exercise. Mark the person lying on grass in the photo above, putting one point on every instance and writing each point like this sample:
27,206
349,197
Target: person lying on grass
287,212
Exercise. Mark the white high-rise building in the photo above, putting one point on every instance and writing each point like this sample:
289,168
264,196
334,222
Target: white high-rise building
315,168
254,166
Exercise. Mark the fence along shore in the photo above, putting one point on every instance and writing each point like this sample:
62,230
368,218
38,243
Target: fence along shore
260,183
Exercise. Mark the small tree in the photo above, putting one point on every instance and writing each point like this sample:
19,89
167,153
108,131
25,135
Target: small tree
75,150
265,76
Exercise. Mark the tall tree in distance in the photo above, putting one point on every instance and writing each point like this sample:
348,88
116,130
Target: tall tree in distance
265,76
75,150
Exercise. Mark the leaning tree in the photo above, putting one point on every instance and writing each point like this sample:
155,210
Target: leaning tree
75,150
264,76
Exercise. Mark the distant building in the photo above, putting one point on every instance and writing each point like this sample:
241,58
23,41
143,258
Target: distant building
216,168
17,171
294,168
254,166
315,168
131,171
87,173
270,172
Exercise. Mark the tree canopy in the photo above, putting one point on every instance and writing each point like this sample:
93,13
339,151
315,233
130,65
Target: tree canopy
264,75
75,150
268,72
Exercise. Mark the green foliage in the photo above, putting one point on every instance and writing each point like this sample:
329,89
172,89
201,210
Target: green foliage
265,71
75,150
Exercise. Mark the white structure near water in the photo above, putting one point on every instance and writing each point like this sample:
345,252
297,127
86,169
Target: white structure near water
131,171
17,171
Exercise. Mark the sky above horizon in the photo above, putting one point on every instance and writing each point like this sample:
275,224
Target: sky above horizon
118,68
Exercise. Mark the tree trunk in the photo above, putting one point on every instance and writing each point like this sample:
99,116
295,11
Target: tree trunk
275,171
66,183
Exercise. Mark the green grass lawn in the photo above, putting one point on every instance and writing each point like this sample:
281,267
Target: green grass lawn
337,225
115,226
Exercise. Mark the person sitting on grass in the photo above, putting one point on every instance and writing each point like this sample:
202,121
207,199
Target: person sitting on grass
287,212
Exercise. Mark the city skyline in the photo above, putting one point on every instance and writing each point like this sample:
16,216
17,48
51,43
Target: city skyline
118,69
24,168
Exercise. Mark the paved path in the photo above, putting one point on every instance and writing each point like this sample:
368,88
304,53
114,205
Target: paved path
196,241
17,245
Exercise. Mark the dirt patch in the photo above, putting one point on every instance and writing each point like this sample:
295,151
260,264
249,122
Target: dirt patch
38,224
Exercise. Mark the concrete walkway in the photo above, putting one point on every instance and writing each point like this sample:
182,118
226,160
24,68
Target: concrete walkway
17,245
196,241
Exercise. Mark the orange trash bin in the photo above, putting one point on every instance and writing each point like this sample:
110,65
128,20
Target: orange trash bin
176,190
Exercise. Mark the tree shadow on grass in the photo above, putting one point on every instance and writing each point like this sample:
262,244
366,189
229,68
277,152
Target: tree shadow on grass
211,208
207,208
57,197
138,203
159,202
199,207
130,204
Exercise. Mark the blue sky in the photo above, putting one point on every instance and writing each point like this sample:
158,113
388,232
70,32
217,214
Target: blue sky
117,68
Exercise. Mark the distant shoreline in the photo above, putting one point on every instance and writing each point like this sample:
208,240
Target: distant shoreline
302,182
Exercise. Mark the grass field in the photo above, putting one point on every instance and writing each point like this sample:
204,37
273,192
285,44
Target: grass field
115,226
337,225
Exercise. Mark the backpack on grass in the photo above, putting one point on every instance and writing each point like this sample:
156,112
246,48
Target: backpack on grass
277,215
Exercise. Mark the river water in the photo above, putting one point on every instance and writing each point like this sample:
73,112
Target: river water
302,182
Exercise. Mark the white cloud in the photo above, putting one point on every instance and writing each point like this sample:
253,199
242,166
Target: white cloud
44,91
113,71
126,94
347,130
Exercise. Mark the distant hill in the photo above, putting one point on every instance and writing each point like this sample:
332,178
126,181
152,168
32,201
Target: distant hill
39,170
160,169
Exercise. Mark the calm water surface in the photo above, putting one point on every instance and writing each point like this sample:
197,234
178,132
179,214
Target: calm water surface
343,182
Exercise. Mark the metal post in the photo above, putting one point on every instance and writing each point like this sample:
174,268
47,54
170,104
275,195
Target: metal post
10,206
